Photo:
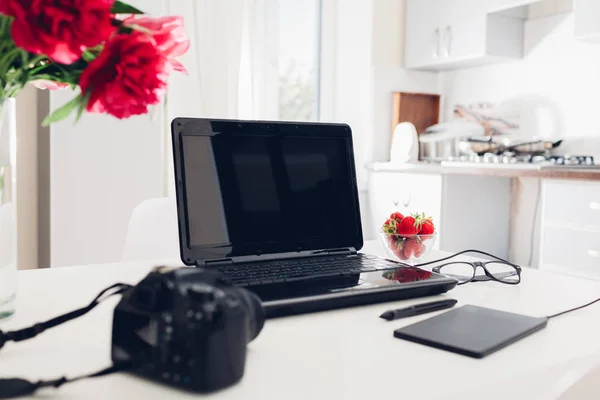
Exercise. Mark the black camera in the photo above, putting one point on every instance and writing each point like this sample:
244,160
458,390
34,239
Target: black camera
186,328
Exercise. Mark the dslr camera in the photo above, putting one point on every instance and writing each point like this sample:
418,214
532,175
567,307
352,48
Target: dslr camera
186,328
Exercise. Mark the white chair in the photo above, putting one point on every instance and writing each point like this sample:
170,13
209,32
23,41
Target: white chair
153,231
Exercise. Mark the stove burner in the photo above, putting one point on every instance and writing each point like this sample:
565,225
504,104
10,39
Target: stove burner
512,158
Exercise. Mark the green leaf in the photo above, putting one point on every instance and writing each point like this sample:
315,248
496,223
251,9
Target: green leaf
62,113
82,105
24,58
123,8
88,56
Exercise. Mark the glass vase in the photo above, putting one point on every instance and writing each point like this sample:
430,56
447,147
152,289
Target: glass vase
8,214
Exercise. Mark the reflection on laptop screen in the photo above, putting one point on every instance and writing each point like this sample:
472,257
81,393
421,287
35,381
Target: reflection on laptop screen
270,193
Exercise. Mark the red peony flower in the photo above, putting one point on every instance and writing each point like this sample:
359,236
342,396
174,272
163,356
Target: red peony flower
169,34
127,77
60,29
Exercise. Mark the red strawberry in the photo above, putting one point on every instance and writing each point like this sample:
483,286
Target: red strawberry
413,248
420,250
427,227
397,216
390,226
400,254
396,246
408,226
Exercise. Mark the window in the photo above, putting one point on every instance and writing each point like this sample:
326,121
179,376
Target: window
299,58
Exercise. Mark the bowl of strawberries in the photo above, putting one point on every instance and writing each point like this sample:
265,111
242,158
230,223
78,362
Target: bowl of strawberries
408,238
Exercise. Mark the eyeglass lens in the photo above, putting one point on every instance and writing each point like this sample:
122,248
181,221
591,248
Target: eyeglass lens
461,271
503,272
464,272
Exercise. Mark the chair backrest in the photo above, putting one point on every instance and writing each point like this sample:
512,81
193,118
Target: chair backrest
153,232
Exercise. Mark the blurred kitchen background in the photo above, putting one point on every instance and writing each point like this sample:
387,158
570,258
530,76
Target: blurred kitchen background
481,113
505,151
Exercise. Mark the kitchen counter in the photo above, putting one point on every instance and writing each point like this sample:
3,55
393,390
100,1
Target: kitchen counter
500,170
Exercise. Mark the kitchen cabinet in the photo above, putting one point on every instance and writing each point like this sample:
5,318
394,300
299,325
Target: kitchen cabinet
456,203
443,34
510,5
570,227
587,20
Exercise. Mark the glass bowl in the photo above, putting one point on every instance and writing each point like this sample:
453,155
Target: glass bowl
408,249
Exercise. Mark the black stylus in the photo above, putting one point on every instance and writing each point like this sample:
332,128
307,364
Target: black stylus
418,309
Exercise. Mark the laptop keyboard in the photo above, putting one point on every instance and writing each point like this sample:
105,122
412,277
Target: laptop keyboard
280,271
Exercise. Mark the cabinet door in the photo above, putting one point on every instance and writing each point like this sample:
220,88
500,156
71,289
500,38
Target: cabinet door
423,34
463,31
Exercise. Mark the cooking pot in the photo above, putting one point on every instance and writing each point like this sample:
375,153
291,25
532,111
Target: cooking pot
442,141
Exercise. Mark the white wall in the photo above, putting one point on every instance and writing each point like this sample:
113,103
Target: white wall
388,74
101,168
362,64
556,67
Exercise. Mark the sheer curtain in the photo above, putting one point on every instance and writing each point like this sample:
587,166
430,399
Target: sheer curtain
232,65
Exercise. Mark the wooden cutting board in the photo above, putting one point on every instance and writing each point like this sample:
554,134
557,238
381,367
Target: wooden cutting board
422,110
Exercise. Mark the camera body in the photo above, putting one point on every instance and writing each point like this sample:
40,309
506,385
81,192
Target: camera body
186,328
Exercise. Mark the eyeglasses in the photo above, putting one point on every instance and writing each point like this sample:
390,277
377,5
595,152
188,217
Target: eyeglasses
497,269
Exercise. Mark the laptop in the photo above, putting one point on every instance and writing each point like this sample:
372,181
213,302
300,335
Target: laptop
274,208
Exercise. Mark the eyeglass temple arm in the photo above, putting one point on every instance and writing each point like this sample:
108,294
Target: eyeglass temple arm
464,252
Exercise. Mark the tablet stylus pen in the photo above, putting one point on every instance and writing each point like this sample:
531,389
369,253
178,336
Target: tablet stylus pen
418,309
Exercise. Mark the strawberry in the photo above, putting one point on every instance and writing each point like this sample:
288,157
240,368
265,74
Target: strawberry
400,254
396,246
413,248
397,216
390,227
420,250
409,226
427,227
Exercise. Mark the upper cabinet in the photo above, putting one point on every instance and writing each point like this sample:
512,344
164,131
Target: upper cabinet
444,34
587,20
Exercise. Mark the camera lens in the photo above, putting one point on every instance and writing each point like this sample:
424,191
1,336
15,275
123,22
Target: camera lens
255,311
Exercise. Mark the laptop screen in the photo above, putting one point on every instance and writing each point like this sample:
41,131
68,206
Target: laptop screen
256,192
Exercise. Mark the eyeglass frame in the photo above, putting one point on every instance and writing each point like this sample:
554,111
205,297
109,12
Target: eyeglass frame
476,264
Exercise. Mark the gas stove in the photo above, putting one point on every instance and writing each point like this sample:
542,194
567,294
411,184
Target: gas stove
534,160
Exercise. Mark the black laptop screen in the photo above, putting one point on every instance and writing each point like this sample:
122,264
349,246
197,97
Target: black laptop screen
257,193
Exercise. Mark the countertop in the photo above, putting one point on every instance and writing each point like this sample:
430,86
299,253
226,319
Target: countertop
500,170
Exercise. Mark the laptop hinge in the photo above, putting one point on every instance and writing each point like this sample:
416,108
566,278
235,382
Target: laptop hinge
220,262
342,251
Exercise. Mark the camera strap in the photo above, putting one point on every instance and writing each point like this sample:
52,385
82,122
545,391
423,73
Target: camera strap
15,387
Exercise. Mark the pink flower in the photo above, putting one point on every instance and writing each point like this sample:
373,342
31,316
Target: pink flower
169,34
50,85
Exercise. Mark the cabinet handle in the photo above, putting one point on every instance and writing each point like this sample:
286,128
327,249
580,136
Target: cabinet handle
595,205
448,36
594,253
395,202
436,43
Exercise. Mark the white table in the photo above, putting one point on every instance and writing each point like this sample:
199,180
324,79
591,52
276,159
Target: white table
342,354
